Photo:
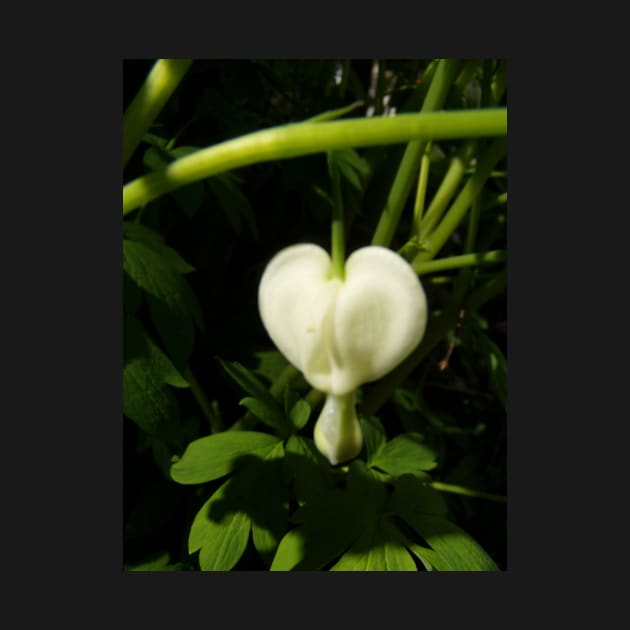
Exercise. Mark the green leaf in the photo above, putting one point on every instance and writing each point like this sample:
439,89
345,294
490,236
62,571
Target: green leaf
412,497
272,416
146,372
268,504
431,560
373,437
190,198
406,453
176,332
331,519
308,469
272,412
155,241
300,413
156,562
456,548
424,510
214,456
270,364
233,202
377,549
222,539
132,296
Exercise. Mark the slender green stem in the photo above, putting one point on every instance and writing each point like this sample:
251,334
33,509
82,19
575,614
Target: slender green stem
216,425
473,223
456,262
464,200
447,487
299,139
499,82
335,113
444,76
421,192
157,88
446,190
338,248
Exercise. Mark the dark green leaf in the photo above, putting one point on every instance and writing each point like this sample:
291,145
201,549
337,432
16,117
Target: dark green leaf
217,455
455,547
308,468
132,296
146,372
412,497
190,198
270,364
377,549
272,416
222,539
373,437
233,202
300,413
406,453
156,562
250,383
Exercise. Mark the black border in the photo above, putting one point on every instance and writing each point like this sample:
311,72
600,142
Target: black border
70,274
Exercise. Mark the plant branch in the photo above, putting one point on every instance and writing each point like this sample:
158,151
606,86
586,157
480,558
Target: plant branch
298,139
157,88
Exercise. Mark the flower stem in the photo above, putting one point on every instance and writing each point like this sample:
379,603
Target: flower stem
447,487
464,200
456,262
421,192
157,88
338,248
444,76
215,421
298,139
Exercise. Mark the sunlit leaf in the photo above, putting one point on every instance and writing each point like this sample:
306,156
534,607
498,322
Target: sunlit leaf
214,456
406,453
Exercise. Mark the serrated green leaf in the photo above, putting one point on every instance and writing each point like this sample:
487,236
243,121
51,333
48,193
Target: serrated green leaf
214,456
177,333
146,372
431,560
373,437
155,241
406,453
377,549
300,413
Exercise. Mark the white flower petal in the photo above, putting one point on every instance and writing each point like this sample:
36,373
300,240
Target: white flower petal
380,317
342,334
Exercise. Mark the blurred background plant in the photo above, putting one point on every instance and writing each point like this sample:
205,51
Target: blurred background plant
194,346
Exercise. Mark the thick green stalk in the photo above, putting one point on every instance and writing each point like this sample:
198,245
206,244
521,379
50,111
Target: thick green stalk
157,88
457,262
298,139
444,76
464,200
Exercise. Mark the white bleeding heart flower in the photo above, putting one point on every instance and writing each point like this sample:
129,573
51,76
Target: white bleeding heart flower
342,333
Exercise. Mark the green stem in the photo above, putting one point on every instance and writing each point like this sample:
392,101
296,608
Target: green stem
447,190
299,139
421,192
335,113
456,262
338,250
444,76
447,487
215,422
464,200
473,223
157,88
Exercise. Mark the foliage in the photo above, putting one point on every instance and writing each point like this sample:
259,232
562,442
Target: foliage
221,471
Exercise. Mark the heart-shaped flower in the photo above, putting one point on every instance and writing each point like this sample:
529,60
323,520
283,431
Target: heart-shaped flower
342,333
